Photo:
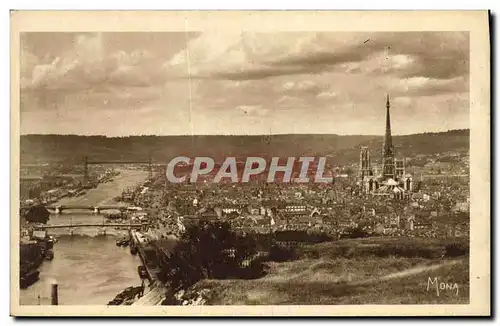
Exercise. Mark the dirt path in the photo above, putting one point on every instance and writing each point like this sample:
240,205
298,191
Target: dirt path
407,272
308,275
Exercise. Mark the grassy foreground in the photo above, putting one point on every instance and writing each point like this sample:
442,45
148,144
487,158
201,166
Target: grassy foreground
351,272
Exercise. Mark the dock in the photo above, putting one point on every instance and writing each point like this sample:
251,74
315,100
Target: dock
146,253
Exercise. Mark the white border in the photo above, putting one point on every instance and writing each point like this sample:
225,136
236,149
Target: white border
186,4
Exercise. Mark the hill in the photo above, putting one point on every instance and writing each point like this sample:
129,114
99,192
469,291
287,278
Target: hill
362,274
341,149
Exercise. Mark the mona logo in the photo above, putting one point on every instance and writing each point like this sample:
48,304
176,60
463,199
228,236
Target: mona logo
441,286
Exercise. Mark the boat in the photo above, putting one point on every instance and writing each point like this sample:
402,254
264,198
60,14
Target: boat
122,242
29,278
133,249
143,273
114,216
49,255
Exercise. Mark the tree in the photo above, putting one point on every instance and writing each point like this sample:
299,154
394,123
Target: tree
37,214
208,249
356,232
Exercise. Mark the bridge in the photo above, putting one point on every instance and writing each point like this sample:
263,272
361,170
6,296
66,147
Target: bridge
82,225
87,163
30,178
58,209
101,226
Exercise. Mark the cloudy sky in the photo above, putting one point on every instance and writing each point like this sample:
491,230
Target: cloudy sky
119,84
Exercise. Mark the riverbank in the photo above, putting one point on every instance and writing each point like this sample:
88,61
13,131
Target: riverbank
88,266
128,296
89,271
155,292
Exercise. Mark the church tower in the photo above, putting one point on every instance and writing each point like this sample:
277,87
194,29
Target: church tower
365,165
388,168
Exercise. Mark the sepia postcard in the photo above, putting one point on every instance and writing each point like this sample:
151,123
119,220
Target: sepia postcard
250,163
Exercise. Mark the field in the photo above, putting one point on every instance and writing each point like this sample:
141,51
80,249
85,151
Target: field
359,275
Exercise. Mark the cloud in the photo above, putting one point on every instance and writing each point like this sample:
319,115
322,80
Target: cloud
236,56
257,72
440,55
323,60
252,109
290,81
87,65
88,72
326,95
253,56
425,86
304,87
27,62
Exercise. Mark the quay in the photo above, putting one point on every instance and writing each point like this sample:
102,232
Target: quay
148,255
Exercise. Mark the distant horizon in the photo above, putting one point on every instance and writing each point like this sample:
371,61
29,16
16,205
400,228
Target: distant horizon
248,135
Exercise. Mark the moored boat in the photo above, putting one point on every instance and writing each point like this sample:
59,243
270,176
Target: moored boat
49,254
29,278
123,242
142,271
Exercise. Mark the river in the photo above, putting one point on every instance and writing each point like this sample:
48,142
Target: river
89,268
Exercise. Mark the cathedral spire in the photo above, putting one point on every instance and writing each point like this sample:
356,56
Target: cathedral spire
388,136
388,150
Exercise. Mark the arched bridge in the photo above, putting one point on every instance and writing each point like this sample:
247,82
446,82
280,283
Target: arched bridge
58,209
111,225
100,226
